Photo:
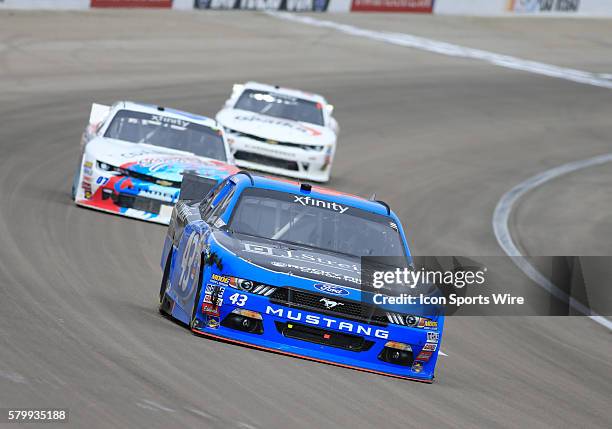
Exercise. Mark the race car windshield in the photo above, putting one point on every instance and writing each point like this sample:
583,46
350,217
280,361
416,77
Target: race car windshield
158,130
306,221
280,106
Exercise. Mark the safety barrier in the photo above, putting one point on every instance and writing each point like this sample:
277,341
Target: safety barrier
568,8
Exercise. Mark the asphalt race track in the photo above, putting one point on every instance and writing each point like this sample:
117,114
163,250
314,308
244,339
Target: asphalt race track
439,138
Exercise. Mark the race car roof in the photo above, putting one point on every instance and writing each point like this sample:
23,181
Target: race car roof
167,111
286,91
290,186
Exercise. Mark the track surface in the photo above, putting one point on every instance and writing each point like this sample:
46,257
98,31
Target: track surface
440,139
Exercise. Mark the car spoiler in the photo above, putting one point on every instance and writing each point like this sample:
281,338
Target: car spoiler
98,113
195,187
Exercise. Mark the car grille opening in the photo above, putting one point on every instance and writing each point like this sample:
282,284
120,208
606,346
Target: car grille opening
311,334
140,176
137,202
315,148
152,179
351,310
266,160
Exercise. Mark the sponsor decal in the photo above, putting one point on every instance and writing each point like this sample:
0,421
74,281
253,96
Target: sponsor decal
131,3
308,263
299,256
417,366
433,337
210,299
214,294
326,322
220,279
427,324
415,6
171,121
213,322
210,309
275,121
424,356
307,201
88,168
155,164
430,347
290,5
331,289
536,6
86,189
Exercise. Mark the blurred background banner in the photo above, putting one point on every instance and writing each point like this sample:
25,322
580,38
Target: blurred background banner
575,8
132,3
531,6
415,6
45,4
287,5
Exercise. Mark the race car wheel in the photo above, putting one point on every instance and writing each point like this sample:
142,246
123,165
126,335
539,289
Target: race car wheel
165,306
75,181
165,278
196,298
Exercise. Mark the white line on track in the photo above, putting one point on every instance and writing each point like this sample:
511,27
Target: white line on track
449,49
14,377
153,406
501,218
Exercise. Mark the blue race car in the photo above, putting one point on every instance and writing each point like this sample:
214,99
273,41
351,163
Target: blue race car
275,265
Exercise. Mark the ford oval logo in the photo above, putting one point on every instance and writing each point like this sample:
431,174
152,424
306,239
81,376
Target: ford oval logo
334,290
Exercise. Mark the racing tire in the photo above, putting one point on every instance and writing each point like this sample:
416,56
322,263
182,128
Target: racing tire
75,180
164,285
196,297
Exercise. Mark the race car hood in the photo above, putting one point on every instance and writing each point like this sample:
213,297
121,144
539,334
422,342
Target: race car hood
158,162
318,265
276,129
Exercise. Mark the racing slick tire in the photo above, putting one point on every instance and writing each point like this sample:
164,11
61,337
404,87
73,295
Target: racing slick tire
164,303
196,297
75,180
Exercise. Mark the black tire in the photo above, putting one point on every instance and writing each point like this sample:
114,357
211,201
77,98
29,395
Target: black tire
75,180
164,284
198,291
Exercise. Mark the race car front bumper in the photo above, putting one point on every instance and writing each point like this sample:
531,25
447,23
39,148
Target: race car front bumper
129,197
301,162
384,348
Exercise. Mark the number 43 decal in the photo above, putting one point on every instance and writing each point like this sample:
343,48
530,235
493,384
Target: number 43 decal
238,299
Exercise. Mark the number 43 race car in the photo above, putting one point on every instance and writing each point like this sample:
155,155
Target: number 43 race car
276,265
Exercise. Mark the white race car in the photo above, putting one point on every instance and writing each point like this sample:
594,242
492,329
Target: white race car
280,131
133,157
